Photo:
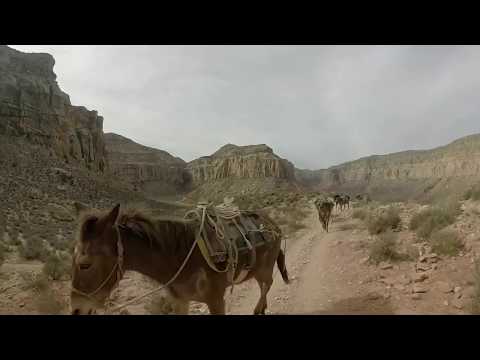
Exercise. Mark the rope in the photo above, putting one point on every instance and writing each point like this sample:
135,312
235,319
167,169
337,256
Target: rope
226,211
198,240
117,266
162,286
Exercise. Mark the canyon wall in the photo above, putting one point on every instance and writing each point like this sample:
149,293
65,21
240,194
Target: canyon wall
33,107
148,169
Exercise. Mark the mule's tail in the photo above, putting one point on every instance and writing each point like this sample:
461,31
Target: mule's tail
282,267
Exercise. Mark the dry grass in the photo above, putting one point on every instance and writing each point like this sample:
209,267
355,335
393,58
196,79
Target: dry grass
361,214
446,242
433,219
291,220
384,248
347,227
47,304
45,300
386,221
38,282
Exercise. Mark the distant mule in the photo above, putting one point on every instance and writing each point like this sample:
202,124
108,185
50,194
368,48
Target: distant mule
346,201
338,200
111,243
342,201
324,208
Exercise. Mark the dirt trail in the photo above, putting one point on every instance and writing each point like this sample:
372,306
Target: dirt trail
322,281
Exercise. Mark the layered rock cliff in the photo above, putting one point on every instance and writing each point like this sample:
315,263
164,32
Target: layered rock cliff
148,169
51,154
33,107
458,160
240,170
241,162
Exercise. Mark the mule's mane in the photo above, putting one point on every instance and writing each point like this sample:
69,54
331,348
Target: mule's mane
171,234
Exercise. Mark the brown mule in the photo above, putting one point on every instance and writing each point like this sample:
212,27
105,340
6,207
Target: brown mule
109,244
324,208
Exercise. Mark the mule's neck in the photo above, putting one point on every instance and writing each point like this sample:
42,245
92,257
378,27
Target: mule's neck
159,262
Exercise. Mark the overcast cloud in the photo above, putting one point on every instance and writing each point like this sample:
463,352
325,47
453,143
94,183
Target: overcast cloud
317,106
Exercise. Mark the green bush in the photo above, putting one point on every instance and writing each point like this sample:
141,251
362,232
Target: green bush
433,219
446,242
386,221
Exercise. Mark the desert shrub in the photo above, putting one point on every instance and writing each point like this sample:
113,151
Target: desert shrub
295,225
33,249
384,248
433,219
383,222
14,239
57,266
361,214
446,242
38,282
476,294
160,305
291,219
473,193
411,253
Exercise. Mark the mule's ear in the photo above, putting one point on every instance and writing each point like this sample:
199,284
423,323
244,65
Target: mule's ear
79,207
112,216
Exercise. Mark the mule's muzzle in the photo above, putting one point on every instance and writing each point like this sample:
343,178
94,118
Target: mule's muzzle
77,311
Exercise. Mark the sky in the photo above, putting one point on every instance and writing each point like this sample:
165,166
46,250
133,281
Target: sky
317,106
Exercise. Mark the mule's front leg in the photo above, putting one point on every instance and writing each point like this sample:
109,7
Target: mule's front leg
216,305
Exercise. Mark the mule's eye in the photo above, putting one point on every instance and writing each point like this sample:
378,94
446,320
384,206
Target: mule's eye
85,266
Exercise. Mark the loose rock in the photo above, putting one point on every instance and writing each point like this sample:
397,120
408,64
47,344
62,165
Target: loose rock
444,287
419,289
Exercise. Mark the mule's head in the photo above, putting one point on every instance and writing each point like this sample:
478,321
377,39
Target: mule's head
95,261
